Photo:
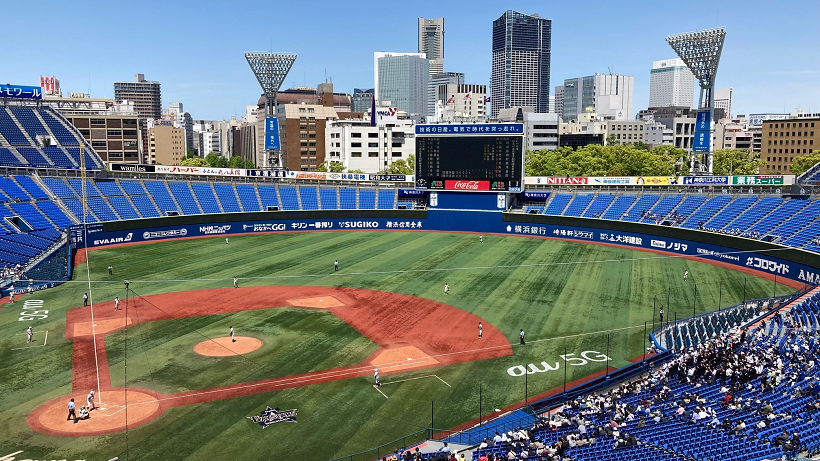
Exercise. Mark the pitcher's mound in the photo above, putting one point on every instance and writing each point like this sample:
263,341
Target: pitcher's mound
223,347
50,418
318,302
402,358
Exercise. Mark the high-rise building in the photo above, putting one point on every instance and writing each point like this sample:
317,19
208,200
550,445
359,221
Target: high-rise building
671,83
461,102
521,50
361,99
607,95
145,95
436,80
166,144
402,79
783,140
431,43
559,100
723,100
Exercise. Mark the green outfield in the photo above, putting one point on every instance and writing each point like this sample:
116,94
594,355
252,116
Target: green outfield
571,298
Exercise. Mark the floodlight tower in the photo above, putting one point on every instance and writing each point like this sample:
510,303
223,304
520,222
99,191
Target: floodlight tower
271,69
701,53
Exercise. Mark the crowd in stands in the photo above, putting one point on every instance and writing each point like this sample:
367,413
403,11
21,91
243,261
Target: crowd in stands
12,273
735,232
673,217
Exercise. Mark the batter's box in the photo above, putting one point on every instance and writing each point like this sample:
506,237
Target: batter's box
35,341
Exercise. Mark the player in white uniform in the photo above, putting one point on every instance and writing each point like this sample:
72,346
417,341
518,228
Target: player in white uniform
480,238
30,333
90,401
446,288
226,240
235,282
376,377
480,330
116,303
685,275
233,340
11,297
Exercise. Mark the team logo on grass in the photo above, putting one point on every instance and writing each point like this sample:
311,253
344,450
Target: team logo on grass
270,416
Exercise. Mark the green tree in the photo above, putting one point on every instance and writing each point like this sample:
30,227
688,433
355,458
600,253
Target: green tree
249,165
611,139
236,162
212,159
398,167
190,153
195,161
331,167
356,171
736,161
411,163
803,163
596,160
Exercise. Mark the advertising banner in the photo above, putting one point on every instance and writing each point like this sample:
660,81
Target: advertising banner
657,180
21,92
199,170
452,184
385,115
765,180
701,142
271,133
703,122
612,180
131,168
705,180
267,173
561,180
477,128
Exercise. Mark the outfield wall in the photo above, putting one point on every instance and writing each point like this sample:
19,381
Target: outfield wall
789,263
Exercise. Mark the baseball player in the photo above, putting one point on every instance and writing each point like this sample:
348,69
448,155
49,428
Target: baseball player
336,265
235,282
521,336
110,270
480,239
126,282
446,288
685,275
226,240
30,333
233,340
71,413
376,377
660,313
11,297
116,303
85,299
90,401
480,330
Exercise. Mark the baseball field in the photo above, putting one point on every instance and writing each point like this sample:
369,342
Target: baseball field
308,338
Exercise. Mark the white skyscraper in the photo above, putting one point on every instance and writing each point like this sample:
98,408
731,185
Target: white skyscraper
671,83
723,100
607,95
431,43
402,79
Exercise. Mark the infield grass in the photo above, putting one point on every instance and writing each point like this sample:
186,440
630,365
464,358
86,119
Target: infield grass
569,297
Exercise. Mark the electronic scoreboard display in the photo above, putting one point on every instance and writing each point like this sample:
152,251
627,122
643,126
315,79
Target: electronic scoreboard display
474,158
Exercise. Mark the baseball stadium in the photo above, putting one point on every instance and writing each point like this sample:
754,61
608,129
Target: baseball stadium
197,313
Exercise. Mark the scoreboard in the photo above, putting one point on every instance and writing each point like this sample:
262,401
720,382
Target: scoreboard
470,157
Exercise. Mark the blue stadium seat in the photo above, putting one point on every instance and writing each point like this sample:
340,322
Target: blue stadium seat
31,187
367,199
32,215
707,210
308,197
60,188
227,197
290,201
558,204
269,197
730,212
109,188
29,121
63,135
206,197
7,158
102,209
34,157
133,187
146,207
76,207
159,192
640,208
347,198
578,204
182,193
11,131
328,198
55,213
598,205
60,157
123,207
248,198
619,206
12,189
90,189
386,199
786,210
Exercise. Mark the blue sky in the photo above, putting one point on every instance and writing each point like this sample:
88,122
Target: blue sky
195,49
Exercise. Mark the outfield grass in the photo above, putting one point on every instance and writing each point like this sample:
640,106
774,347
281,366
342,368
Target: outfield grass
568,297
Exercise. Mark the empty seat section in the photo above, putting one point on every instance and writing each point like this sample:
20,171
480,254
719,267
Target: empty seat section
77,185
109,188
730,212
290,201
367,199
133,187
59,157
8,158
60,188
386,199
706,211
598,205
159,192
91,163
182,193
29,121
123,207
619,207
34,157
558,203
63,135
329,199
688,205
310,201
101,208
76,207
206,197
12,189
578,204
788,209
269,197
32,215
55,213
10,131
31,187
247,196
347,198
146,207
763,207
640,208
797,222
227,197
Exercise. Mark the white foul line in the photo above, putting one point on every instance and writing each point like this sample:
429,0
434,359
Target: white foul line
380,391
45,340
445,382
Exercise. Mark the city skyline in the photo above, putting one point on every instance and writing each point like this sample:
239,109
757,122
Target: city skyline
765,76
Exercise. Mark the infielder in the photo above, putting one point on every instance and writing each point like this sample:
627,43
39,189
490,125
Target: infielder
90,401
446,288
116,303
480,330
376,377
30,333
235,282
233,340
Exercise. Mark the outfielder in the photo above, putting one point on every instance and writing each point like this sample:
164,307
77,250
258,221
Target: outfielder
685,275
226,240
110,270
480,239
30,333
376,377
336,265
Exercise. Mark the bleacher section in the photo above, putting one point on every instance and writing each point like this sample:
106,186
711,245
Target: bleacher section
205,196
46,140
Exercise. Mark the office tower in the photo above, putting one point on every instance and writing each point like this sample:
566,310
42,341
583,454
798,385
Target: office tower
671,83
431,43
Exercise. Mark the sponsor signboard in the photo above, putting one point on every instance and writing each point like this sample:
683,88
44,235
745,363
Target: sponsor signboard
467,128
550,180
705,180
385,115
701,141
271,133
474,186
656,180
21,92
702,121
412,193
614,180
199,170
266,173
765,180
131,168
535,195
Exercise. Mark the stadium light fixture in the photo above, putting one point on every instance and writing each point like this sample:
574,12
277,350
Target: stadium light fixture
270,70
701,52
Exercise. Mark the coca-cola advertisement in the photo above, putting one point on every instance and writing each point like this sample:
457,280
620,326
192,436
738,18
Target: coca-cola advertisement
466,185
